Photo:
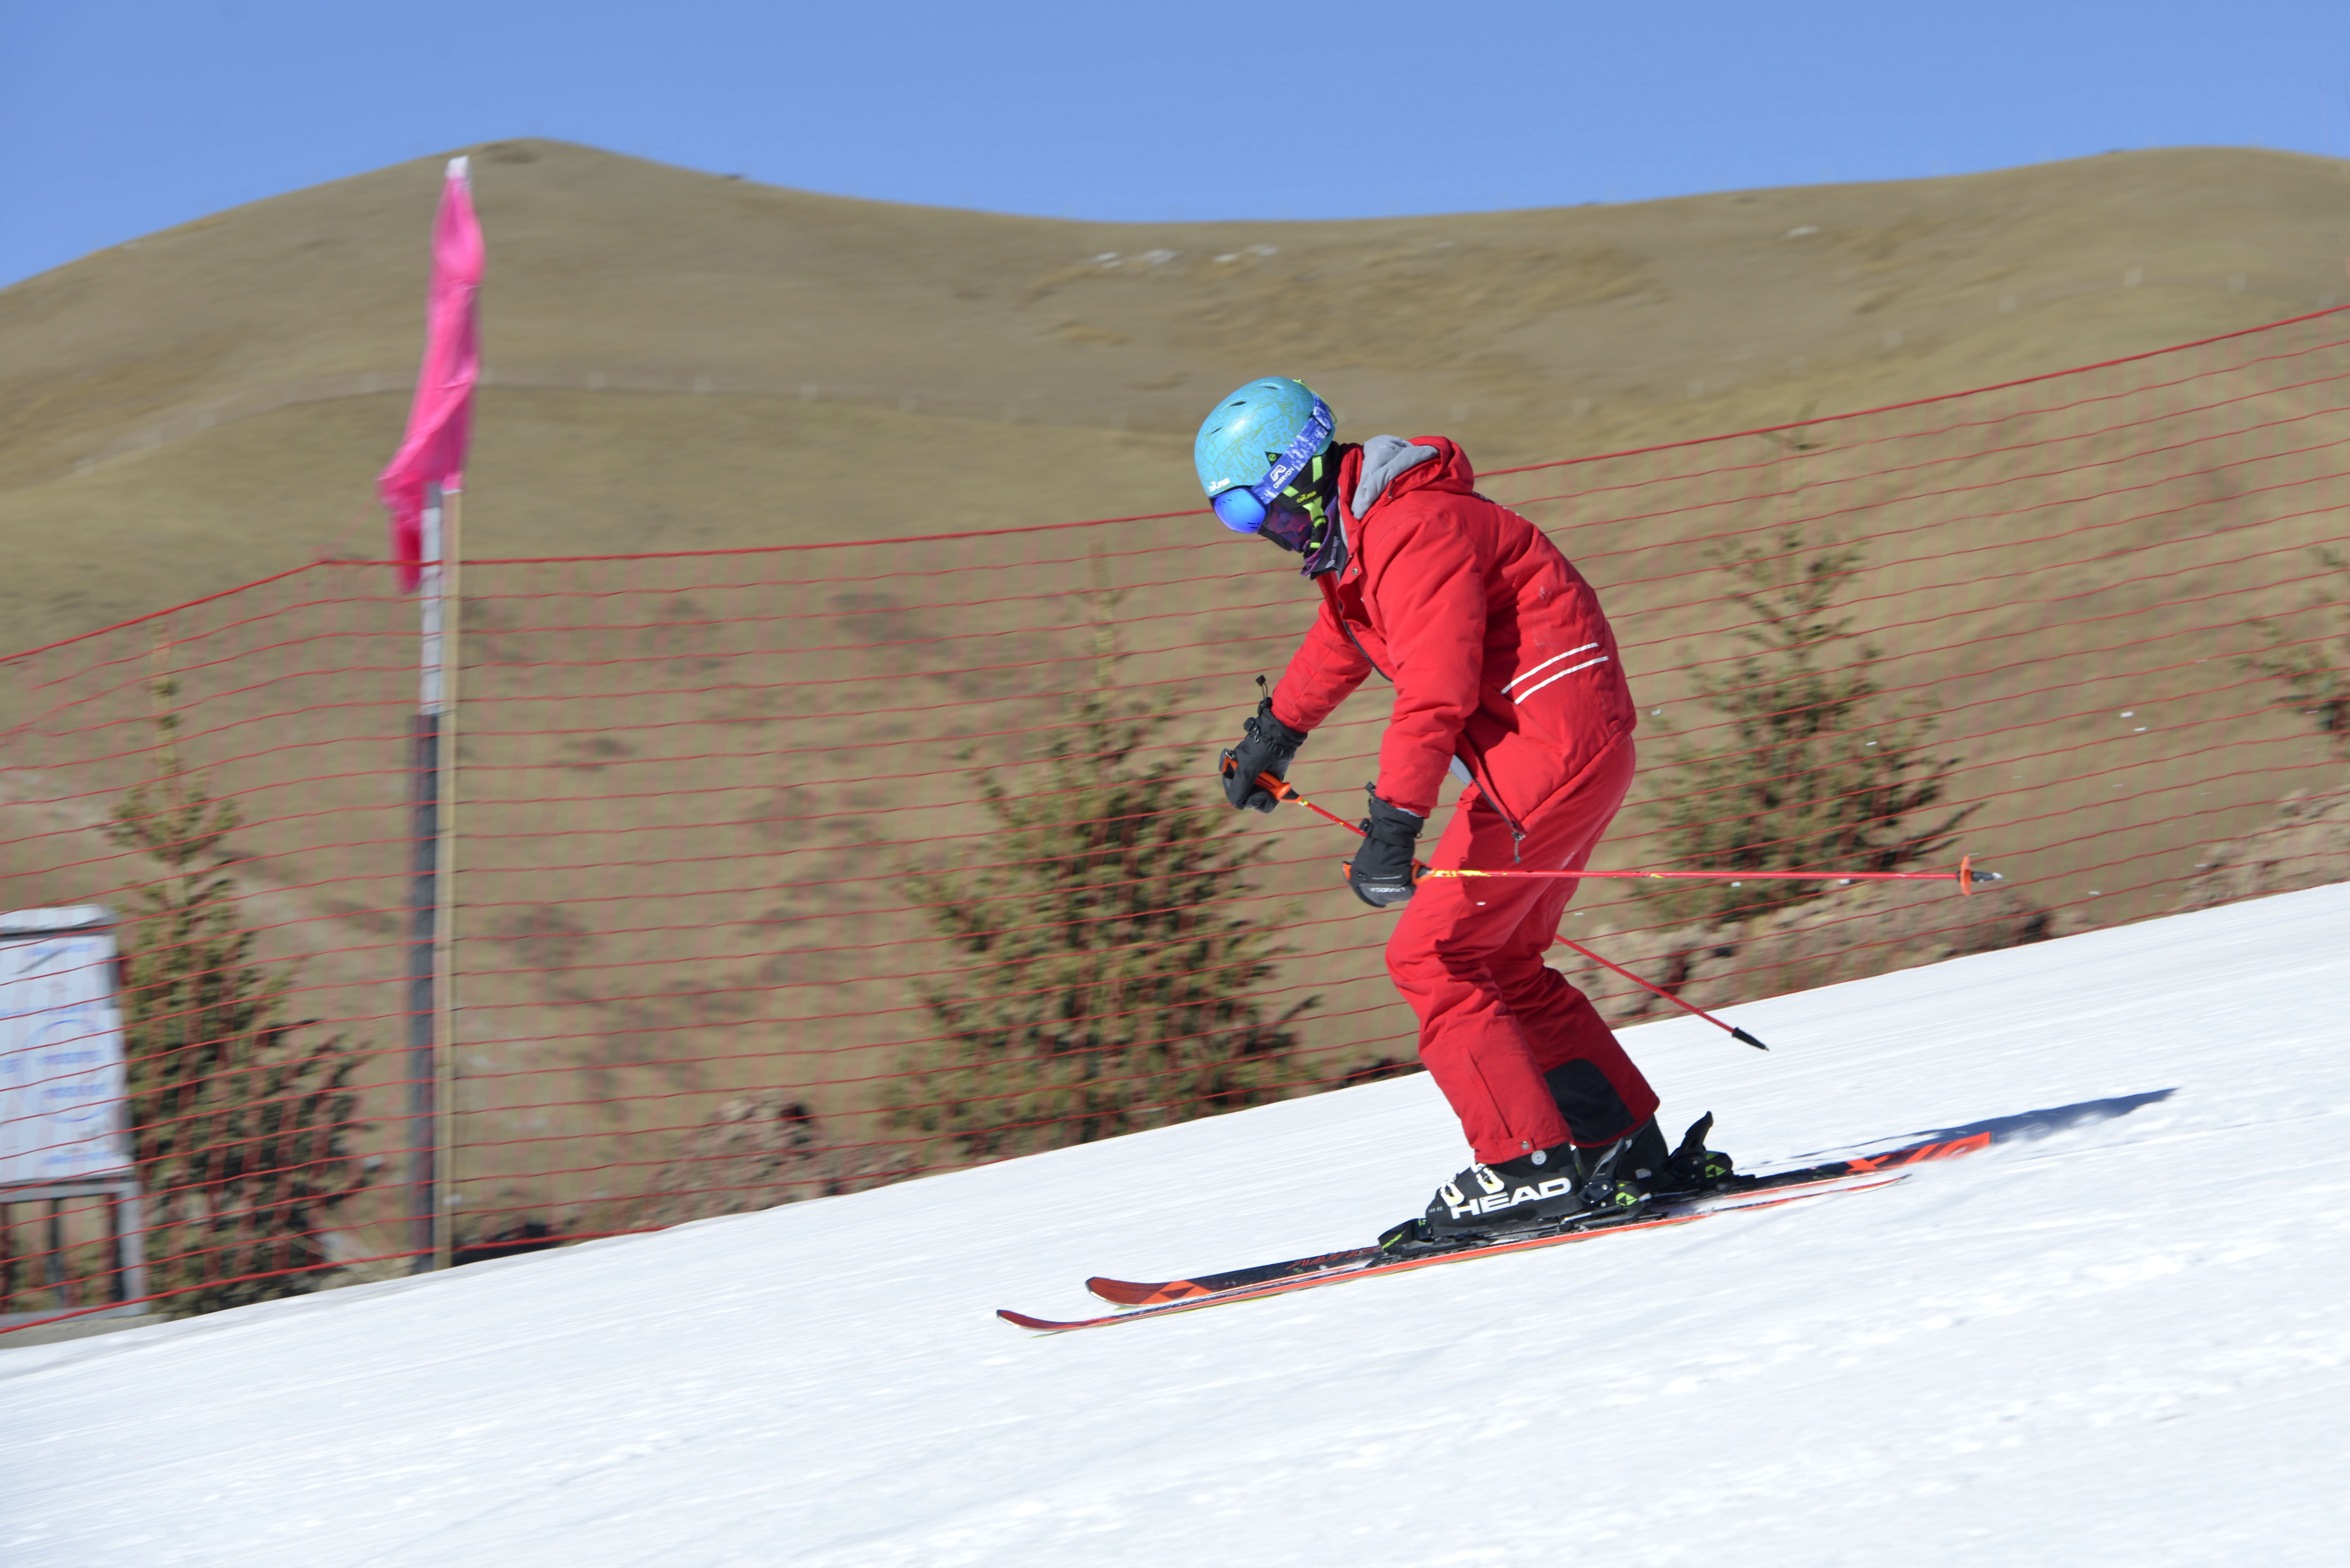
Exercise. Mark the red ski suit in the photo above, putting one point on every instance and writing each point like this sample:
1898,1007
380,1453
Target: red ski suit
1501,658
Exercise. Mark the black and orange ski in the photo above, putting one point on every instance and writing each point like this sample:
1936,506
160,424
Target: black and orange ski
1359,1267
1158,1298
1135,1293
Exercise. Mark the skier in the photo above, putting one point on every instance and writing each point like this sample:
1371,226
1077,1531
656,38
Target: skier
1506,676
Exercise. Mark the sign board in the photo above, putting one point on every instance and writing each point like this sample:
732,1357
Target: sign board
61,1072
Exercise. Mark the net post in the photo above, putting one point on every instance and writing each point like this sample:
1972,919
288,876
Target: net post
424,907
444,924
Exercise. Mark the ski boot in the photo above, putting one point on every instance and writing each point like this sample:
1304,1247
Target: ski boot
1531,1194
1488,1200
1508,1195
1609,1181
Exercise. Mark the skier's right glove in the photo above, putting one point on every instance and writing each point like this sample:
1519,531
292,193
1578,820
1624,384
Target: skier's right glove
1380,873
1267,746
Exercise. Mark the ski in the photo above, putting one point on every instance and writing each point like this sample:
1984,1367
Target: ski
1364,1269
1136,1293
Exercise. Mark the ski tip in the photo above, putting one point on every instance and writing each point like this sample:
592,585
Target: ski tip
1022,1320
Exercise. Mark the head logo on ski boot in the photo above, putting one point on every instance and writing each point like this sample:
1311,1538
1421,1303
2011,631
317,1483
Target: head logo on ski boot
1507,1195
1481,1192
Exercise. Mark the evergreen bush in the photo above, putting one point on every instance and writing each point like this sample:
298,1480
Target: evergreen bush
242,1131
1110,985
1801,775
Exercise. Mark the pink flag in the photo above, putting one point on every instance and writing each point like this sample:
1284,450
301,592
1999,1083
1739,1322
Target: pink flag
434,451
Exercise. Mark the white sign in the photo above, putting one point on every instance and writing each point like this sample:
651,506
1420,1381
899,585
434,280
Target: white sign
61,1072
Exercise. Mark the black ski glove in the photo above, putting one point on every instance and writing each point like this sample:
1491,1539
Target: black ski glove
1380,873
1267,746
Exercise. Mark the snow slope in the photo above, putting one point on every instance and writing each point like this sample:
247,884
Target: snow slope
2126,1342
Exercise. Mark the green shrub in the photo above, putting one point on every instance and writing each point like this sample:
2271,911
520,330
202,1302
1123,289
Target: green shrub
1801,775
241,1132
1110,985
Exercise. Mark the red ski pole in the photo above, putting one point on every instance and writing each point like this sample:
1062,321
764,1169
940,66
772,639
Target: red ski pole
1966,876
1280,790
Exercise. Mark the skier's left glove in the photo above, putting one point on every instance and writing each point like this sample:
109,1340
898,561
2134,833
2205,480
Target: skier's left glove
1380,873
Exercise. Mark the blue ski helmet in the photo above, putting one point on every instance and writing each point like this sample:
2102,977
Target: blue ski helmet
1254,442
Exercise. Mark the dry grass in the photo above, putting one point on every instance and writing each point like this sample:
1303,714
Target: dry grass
1529,335
680,361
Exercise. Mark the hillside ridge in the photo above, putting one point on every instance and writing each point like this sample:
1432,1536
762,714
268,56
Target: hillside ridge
209,404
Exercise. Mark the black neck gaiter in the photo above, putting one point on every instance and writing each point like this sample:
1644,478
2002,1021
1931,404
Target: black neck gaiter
1316,492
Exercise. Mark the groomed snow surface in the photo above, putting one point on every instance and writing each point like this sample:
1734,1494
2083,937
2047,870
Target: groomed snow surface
2123,1342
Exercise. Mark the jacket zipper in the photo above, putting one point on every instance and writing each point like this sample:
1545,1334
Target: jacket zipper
1477,764
1517,832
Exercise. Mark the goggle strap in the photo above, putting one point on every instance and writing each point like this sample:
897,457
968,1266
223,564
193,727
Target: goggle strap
1303,449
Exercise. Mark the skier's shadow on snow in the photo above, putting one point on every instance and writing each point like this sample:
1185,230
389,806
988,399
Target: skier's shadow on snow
2029,1125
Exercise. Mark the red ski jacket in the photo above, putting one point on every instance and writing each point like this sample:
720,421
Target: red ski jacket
1496,644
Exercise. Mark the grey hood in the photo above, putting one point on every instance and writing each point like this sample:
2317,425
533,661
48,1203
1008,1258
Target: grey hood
1384,457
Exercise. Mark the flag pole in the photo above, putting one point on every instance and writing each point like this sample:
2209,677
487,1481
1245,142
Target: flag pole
424,906
444,914
420,487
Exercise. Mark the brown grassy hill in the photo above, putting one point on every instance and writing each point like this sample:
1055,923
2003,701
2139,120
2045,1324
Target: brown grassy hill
680,359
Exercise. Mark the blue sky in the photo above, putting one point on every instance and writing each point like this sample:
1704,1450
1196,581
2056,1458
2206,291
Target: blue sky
120,118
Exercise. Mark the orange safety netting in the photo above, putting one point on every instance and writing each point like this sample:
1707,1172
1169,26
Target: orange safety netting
724,830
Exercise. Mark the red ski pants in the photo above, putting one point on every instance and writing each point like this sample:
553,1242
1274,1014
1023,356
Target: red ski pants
1503,1034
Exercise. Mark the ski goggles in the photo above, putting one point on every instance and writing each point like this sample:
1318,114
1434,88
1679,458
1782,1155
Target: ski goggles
1249,509
1289,525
